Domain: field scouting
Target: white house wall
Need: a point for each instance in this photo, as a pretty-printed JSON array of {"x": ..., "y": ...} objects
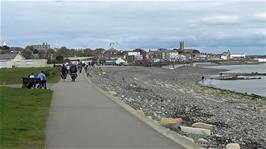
[
  {"x": 6, "y": 63},
  {"x": 31, "y": 63},
  {"x": 134, "y": 53}
]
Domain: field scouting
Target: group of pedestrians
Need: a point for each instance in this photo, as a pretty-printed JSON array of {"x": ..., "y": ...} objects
[
  {"x": 72, "y": 70},
  {"x": 33, "y": 80}
]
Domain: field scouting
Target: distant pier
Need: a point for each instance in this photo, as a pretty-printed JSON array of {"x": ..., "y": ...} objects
[{"x": 238, "y": 76}]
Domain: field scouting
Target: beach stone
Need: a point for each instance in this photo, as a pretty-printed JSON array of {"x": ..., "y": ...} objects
[
  {"x": 232, "y": 146},
  {"x": 171, "y": 122},
  {"x": 200, "y": 131},
  {"x": 149, "y": 117},
  {"x": 203, "y": 125},
  {"x": 202, "y": 140},
  {"x": 261, "y": 109},
  {"x": 140, "y": 112},
  {"x": 112, "y": 93}
]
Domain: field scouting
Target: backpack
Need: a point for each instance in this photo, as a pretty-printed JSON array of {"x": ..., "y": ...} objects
[{"x": 73, "y": 68}]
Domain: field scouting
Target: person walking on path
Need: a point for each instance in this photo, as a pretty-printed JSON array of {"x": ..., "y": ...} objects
[
  {"x": 79, "y": 66},
  {"x": 64, "y": 72},
  {"x": 73, "y": 72},
  {"x": 42, "y": 77}
]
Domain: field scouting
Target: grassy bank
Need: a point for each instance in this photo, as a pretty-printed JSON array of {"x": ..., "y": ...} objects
[
  {"x": 14, "y": 75},
  {"x": 23, "y": 114}
]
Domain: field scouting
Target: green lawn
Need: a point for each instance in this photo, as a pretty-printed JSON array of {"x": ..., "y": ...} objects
[
  {"x": 14, "y": 75},
  {"x": 23, "y": 114}
]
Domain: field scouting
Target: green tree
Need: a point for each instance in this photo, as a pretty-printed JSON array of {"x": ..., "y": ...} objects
[
  {"x": 30, "y": 48},
  {"x": 4, "y": 49},
  {"x": 88, "y": 52},
  {"x": 59, "y": 59},
  {"x": 63, "y": 51},
  {"x": 35, "y": 51},
  {"x": 72, "y": 52},
  {"x": 98, "y": 51},
  {"x": 79, "y": 53},
  {"x": 42, "y": 54},
  {"x": 50, "y": 54},
  {"x": 27, "y": 54}
]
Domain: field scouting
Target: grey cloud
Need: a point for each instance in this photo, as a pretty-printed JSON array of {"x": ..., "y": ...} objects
[{"x": 207, "y": 24}]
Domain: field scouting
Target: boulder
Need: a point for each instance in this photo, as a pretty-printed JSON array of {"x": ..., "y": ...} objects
[
  {"x": 203, "y": 125},
  {"x": 232, "y": 146},
  {"x": 171, "y": 122},
  {"x": 203, "y": 142},
  {"x": 192, "y": 130}
]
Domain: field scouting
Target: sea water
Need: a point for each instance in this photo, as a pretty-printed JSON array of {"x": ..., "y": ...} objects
[{"x": 256, "y": 86}]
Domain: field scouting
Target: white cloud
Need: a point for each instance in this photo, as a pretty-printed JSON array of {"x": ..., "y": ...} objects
[
  {"x": 220, "y": 20},
  {"x": 260, "y": 16}
]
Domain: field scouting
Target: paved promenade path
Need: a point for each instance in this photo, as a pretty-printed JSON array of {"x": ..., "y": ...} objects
[{"x": 82, "y": 117}]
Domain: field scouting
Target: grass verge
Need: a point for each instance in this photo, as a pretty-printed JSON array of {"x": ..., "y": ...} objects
[
  {"x": 23, "y": 114},
  {"x": 14, "y": 75}
]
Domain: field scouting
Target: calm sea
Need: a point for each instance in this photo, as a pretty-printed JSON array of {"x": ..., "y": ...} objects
[{"x": 257, "y": 86}]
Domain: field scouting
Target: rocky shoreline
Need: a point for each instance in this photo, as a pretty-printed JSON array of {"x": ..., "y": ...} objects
[{"x": 163, "y": 93}]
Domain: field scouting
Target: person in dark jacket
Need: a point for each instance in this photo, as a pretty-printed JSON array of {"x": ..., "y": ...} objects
[
  {"x": 73, "y": 72},
  {"x": 64, "y": 72}
]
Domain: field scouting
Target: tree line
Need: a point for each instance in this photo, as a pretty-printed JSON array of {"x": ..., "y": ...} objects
[{"x": 53, "y": 55}]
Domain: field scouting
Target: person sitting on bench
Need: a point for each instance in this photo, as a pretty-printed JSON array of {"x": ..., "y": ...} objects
[
  {"x": 31, "y": 76},
  {"x": 31, "y": 81},
  {"x": 41, "y": 76}
]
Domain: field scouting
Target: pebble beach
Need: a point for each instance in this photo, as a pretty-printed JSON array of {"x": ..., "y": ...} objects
[{"x": 176, "y": 93}]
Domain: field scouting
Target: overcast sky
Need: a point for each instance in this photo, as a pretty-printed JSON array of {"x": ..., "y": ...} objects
[{"x": 210, "y": 26}]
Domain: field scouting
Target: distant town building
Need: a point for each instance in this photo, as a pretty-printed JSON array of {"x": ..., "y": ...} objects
[
  {"x": 111, "y": 53},
  {"x": 261, "y": 60},
  {"x": 197, "y": 55},
  {"x": 173, "y": 55},
  {"x": 181, "y": 45},
  {"x": 237, "y": 56},
  {"x": 44, "y": 46},
  {"x": 226, "y": 55},
  {"x": 75, "y": 60},
  {"x": 133, "y": 53},
  {"x": 211, "y": 56}
]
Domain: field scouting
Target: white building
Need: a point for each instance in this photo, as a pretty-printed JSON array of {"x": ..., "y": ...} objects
[
  {"x": 81, "y": 59},
  {"x": 136, "y": 54},
  {"x": 224, "y": 57},
  {"x": 120, "y": 61},
  {"x": 261, "y": 60},
  {"x": 133, "y": 53},
  {"x": 237, "y": 55},
  {"x": 173, "y": 55},
  {"x": 17, "y": 60}
]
